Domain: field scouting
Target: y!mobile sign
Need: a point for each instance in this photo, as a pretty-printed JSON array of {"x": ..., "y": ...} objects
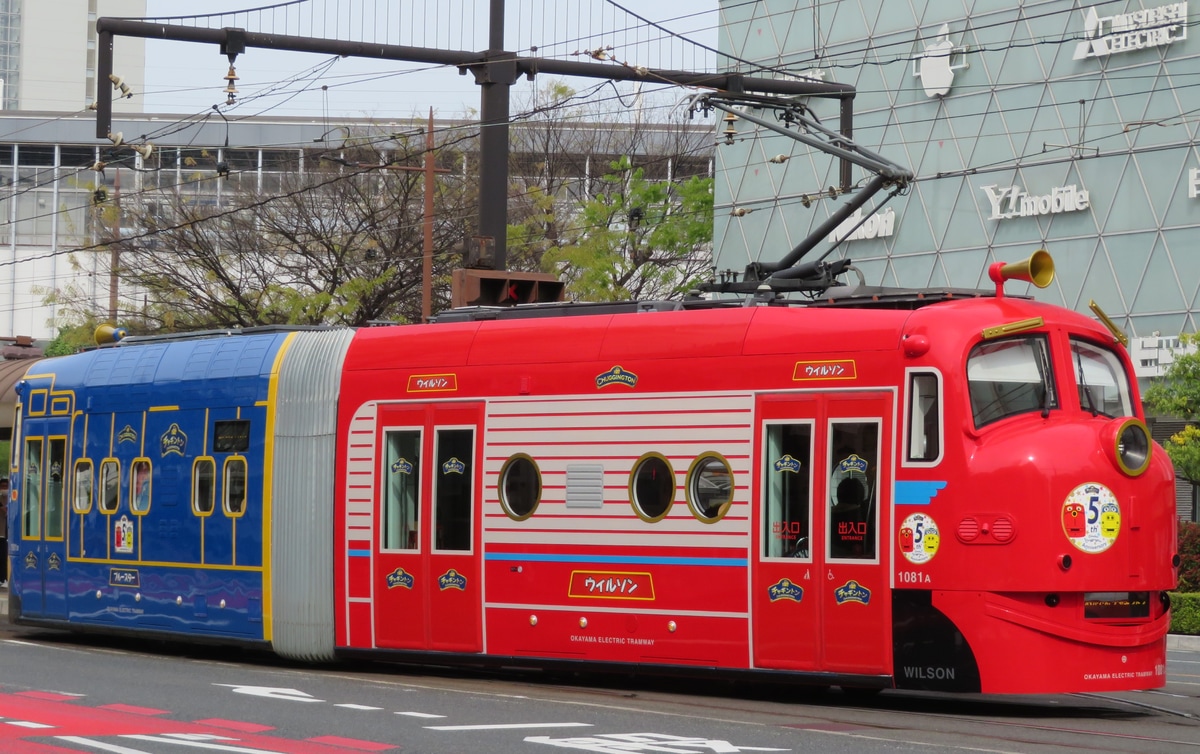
[
  {"x": 1012, "y": 201},
  {"x": 1135, "y": 30}
]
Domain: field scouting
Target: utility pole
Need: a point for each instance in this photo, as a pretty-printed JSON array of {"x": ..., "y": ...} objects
[
  {"x": 495, "y": 79},
  {"x": 430, "y": 169},
  {"x": 427, "y": 265},
  {"x": 114, "y": 250}
]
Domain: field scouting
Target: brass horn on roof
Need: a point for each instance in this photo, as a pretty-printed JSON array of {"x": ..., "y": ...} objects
[
  {"x": 1038, "y": 269},
  {"x": 108, "y": 334}
]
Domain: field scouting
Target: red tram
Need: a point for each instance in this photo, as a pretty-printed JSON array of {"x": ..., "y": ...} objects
[{"x": 939, "y": 490}]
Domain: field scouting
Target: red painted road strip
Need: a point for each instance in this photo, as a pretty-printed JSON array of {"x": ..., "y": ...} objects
[
  {"x": 17, "y": 746},
  {"x": 148, "y": 711},
  {"x": 126, "y": 725},
  {"x": 350, "y": 743},
  {"x": 238, "y": 725}
]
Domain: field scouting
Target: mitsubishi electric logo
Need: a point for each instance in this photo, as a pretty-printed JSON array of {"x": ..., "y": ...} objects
[
  {"x": 1011, "y": 201},
  {"x": 1136, "y": 30},
  {"x": 937, "y": 65}
]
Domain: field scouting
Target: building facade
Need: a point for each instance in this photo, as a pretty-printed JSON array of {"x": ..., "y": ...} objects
[
  {"x": 48, "y": 54},
  {"x": 1053, "y": 124},
  {"x": 56, "y": 207}
]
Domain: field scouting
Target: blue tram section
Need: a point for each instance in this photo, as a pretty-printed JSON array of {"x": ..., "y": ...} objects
[{"x": 141, "y": 475}]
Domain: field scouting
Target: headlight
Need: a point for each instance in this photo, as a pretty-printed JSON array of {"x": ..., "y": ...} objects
[{"x": 1127, "y": 442}]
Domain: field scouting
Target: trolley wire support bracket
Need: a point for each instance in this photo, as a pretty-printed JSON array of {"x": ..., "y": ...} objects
[
  {"x": 495, "y": 70},
  {"x": 794, "y": 120}
]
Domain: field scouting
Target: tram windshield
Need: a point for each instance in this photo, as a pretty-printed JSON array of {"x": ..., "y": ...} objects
[
  {"x": 1101, "y": 380},
  {"x": 1009, "y": 377}
]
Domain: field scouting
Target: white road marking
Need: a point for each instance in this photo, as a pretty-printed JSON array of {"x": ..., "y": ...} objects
[
  {"x": 202, "y": 745},
  {"x": 627, "y": 743},
  {"x": 291, "y": 695},
  {"x": 508, "y": 726},
  {"x": 101, "y": 746},
  {"x": 356, "y": 706},
  {"x": 418, "y": 714}
]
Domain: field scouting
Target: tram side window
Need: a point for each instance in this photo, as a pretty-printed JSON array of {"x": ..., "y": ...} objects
[
  {"x": 401, "y": 489},
  {"x": 787, "y": 490},
  {"x": 453, "y": 485},
  {"x": 853, "y": 489},
  {"x": 82, "y": 490},
  {"x": 924, "y": 417},
  {"x": 139, "y": 486},
  {"x": 110, "y": 485},
  {"x": 55, "y": 471},
  {"x": 235, "y": 486},
  {"x": 31, "y": 489},
  {"x": 204, "y": 488},
  {"x": 1009, "y": 377}
]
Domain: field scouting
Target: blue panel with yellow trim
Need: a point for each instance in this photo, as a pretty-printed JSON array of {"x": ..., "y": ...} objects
[{"x": 160, "y": 499}]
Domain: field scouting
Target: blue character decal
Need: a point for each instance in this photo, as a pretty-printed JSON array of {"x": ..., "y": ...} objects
[
  {"x": 852, "y": 591},
  {"x": 785, "y": 589}
]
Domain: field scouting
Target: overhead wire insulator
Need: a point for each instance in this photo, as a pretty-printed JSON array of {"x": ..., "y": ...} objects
[
  {"x": 730, "y": 128},
  {"x": 119, "y": 84},
  {"x": 231, "y": 90}
]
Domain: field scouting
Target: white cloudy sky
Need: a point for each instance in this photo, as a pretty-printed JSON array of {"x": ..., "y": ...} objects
[{"x": 184, "y": 77}]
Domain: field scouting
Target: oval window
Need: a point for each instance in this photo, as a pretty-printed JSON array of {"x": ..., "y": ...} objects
[
  {"x": 710, "y": 487},
  {"x": 520, "y": 487},
  {"x": 652, "y": 487}
]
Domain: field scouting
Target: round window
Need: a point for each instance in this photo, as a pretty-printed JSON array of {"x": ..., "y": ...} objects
[
  {"x": 710, "y": 487},
  {"x": 652, "y": 487},
  {"x": 520, "y": 487}
]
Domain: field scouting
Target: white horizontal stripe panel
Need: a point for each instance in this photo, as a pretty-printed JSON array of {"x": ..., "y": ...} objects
[{"x": 623, "y": 539}]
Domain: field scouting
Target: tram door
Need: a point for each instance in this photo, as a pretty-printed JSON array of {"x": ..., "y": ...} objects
[
  {"x": 41, "y": 569},
  {"x": 821, "y": 595},
  {"x": 428, "y": 580}
]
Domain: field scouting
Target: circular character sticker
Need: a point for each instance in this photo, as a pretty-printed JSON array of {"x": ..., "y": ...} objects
[
  {"x": 1091, "y": 517},
  {"x": 919, "y": 538}
]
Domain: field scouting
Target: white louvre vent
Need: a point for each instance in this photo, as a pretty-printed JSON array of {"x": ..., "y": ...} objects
[{"x": 585, "y": 485}]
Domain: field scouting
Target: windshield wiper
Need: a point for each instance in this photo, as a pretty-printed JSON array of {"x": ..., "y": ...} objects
[
  {"x": 1047, "y": 383},
  {"x": 1083, "y": 386}
]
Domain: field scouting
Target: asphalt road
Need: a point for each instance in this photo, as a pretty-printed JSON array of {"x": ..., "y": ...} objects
[{"x": 70, "y": 693}]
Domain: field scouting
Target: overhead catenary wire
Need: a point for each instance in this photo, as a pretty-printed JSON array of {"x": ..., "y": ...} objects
[
  {"x": 560, "y": 104},
  {"x": 976, "y": 169}
]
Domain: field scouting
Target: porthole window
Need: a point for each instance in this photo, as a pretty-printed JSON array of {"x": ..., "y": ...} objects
[
  {"x": 520, "y": 487},
  {"x": 710, "y": 487},
  {"x": 652, "y": 487}
]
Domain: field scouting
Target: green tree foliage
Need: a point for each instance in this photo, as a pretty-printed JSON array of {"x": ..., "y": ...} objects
[
  {"x": 1189, "y": 556},
  {"x": 637, "y": 239},
  {"x": 71, "y": 338},
  {"x": 574, "y": 191},
  {"x": 1177, "y": 394}
]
